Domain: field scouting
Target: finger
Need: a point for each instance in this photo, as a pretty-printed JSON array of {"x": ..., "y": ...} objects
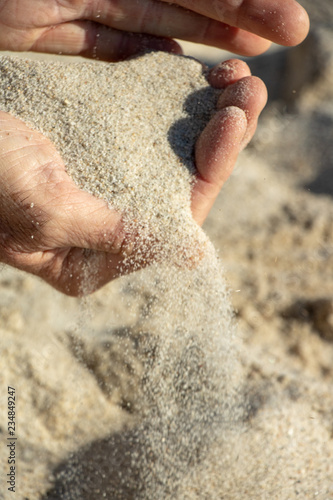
[
  {"x": 78, "y": 272},
  {"x": 228, "y": 72},
  {"x": 224, "y": 137},
  {"x": 97, "y": 41},
  {"x": 160, "y": 19},
  {"x": 216, "y": 153},
  {"x": 80, "y": 219},
  {"x": 250, "y": 95},
  {"x": 90, "y": 39},
  {"x": 284, "y": 22},
  {"x": 73, "y": 271},
  {"x": 211, "y": 24}
]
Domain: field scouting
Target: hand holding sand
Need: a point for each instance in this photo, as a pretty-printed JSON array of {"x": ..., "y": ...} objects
[
  {"x": 53, "y": 229},
  {"x": 115, "y": 30}
]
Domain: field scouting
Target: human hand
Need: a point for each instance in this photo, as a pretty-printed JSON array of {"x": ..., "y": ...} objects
[
  {"x": 51, "y": 228},
  {"x": 113, "y": 30}
]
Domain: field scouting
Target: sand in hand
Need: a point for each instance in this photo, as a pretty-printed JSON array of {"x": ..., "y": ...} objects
[{"x": 126, "y": 133}]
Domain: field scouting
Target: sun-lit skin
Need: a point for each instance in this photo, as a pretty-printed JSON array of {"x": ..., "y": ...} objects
[{"x": 115, "y": 29}]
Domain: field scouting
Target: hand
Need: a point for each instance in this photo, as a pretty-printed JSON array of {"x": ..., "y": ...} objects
[
  {"x": 51, "y": 228},
  {"x": 113, "y": 30}
]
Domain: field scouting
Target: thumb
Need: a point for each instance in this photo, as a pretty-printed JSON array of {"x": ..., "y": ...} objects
[
  {"x": 92, "y": 244},
  {"x": 85, "y": 221}
]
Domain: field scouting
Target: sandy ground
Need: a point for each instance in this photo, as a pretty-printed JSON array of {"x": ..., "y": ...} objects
[{"x": 273, "y": 227}]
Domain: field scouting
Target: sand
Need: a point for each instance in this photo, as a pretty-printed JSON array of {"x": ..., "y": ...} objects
[{"x": 73, "y": 367}]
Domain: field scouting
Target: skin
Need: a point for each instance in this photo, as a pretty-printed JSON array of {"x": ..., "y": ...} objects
[
  {"x": 115, "y": 29},
  {"x": 52, "y": 229}
]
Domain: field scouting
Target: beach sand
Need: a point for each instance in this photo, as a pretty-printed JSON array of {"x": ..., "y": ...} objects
[{"x": 78, "y": 366}]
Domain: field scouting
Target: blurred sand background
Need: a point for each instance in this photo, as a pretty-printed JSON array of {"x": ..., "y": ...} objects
[{"x": 273, "y": 227}]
